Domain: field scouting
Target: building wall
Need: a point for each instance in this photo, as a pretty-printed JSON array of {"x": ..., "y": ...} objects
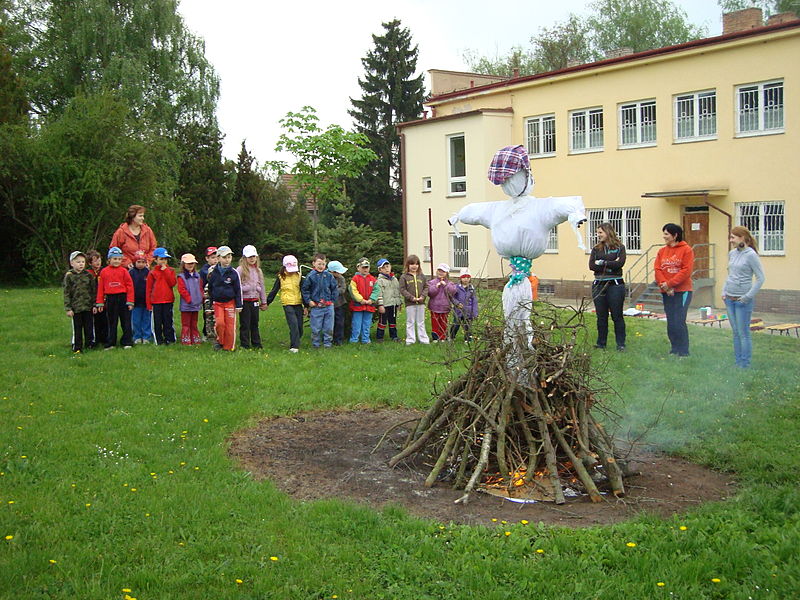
[{"x": 758, "y": 168}]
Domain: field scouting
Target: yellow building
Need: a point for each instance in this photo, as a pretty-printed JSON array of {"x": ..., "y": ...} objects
[{"x": 705, "y": 134}]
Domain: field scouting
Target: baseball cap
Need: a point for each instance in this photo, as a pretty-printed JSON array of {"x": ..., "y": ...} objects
[
  {"x": 290, "y": 264},
  {"x": 188, "y": 258},
  {"x": 249, "y": 251},
  {"x": 161, "y": 253},
  {"x": 211, "y": 250},
  {"x": 113, "y": 252},
  {"x": 337, "y": 267},
  {"x": 75, "y": 255},
  {"x": 381, "y": 262},
  {"x": 224, "y": 251},
  {"x": 443, "y": 267},
  {"x": 464, "y": 273},
  {"x": 363, "y": 262}
]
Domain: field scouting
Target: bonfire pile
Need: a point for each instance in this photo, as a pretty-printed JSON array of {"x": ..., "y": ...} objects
[{"x": 519, "y": 421}]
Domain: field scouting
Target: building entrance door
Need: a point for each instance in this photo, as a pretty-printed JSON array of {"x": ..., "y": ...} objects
[{"x": 695, "y": 232}]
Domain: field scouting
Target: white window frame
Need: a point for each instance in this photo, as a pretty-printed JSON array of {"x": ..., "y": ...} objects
[
  {"x": 767, "y": 111},
  {"x": 459, "y": 251},
  {"x": 540, "y": 135},
  {"x": 456, "y": 181},
  {"x": 767, "y": 222},
  {"x": 552, "y": 241},
  {"x": 626, "y": 221},
  {"x": 591, "y": 139},
  {"x": 641, "y": 110},
  {"x": 696, "y": 111},
  {"x": 427, "y": 185}
]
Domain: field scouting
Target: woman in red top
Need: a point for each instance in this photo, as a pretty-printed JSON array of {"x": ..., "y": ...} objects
[
  {"x": 133, "y": 235},
  {"x": 673, "y": 269}
]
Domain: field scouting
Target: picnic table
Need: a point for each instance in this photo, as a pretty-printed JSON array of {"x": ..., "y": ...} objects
[
  {"x": 785, "y": 328},
  {"x": 709, "y": 321}
]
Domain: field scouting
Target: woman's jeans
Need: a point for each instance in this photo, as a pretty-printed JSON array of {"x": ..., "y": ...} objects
[
  {"x": 739, "y": 314},
  {"x": 676, "y": 307},
  {"x": 609, "y": 296}
]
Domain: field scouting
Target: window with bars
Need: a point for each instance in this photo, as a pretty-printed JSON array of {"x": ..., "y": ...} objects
[
  {"x": 637, "y": 124},
  {"x": 457, "y": 161},
  {"x": 696, "y": 116},
  {"x": 765, "y": 220},
  {"x": 459, "y": 251},
  {"x": 759, "y": 108},
  {"x": 541, "y": 135},
  {"x": 552, "y": 241},
  {"x": 586, "y": 130},
  {"x": 627, "y": 222}
]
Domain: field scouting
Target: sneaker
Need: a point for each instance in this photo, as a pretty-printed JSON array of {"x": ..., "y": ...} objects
[
  {"x": 127, "y": 347},
  {"x": 599, "y": 347},
  {"x": 108, "y": 348},
  {"x": 217, "y": 347},
  {"x": 146, "y": 341},
  {"x": 620, "y": 348},
  {"x": 294, "y": 350}
]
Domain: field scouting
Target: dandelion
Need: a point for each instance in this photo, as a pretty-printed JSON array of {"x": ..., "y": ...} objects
[
  {"x": 52, "y": 562},
  {"x": 441, "y": 526},
  {"x": 524, "y": 522},
  {"x": 494, "y": 520},
  {"x": 197, "y": 468},
  {"x": 631, "y": 544},
  {"x": 9, "y": 537},
  {"x": 273, "y": 558},
  {"x": 11, "y": 502},
  {"x": 715, "y": 580},
  {"x": 183, "y": 464},
  {"x": 88, "y": 504},
  {"x": 170, "y": 472},
  {"x": 539, "y": 551},
  {"x": 152, "y": 473},
  {"x": 24, "y": 456},
  {"x": 205, "y": 420},
  {"x": 181, "y": 544},
  {"x": 126, "y": 590},
  {"x": 19, "y": 426},
  {"x": 661, "y": 584},
  {"x": 683, "y": 528},
  {"x": 73, "y": 485},
  {"x": 239, "y": 581},
  {"x": 146, "y": 514},
  {"x": 508, "y": 533},
  {"x": 133, "y": 489},
  {"x": 503, "y": 522}
]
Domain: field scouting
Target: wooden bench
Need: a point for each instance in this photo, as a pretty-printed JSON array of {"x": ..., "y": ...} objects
[
  {"x": 705, "y": 322},
  {"x": 785, "y": 328}
]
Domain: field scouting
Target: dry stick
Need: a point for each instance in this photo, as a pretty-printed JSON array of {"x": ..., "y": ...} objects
[
  {"x": 390, "y": 430},
  {"x": 448, "y": 447},
  {"x": 549, "y": 451},
  {"x": 462, "y": 467},
  {"x": 482, "y": 460},
  {"x": 408, "y": 450},
  {"x": 610, "y": 464},
  {"x": 502, "y": 423},
  {"x": 533, "y": 456}
]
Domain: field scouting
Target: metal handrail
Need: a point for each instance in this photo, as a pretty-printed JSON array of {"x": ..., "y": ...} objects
[{"x": 639, "y": 275}]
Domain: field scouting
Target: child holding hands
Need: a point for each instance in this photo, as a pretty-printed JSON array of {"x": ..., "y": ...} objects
[
  {"x": 190, "y": 289},
  {"x": 161, "y": 298},
  {"x": 440, "y": 292}
]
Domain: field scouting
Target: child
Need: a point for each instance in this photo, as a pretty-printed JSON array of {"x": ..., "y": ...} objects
[
  {"x": 79, "y": 301},
  {"x": 389, "y": 301},
  {"x": 288, "y": 283},
  {"x": 320, "y": 292},
  {"x": 254, "y": 299},
  {"x": 191, "y": 292},
  {"x": 414, "y": 290},
  {"x": 140, "y": 316},
  {"x": 466, "y": 306},
  {"x": 208, "y": 306},
  {"x": 100, "y": 320},
  {"x": 440, "y": 291},
  {"x": 338, "y": 270},
  {"x": 225, "y": 291},
  {"x": 364, "y": 294},
  {"x": 161, "y": 297},
  {"x": 115, "y": 297}
]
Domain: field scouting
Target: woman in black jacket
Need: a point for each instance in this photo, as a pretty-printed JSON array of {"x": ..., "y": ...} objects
[{"x": 608, "y": 288}]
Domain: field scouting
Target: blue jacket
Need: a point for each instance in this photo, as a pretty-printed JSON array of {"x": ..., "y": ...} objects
[
  {"x": 224, "y": 285},
  {"x": 139, "y": 277},
  {"x": 319, "y": 286}
]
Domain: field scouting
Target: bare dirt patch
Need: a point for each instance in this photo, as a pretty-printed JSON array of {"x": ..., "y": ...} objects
[{"x": 319, "y": 455}]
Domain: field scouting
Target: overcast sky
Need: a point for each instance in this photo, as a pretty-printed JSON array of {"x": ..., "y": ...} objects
[{"x": 275, "y": 57}]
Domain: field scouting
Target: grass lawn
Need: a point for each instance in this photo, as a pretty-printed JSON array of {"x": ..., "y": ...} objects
[{"x": 114, "y": 477}]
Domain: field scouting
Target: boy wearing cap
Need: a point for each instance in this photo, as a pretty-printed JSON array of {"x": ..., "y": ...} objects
[
  {"x": 190, "y": 291},
  {"x": 225, "y": 291},
  {"x": 140, "y": 316},
  {"x": 389, "y": 301},
  {"x": 212, "y": 259},
  {"x": 161, "y": 297},
  {"x": 115, "y": 298},
  {"x": 465, "y": 307},
  {"x": 338, "y": 270},
  {"x": 440, "y": 292},
  {"x": 254, "y": 297},
  {"x": 319, "y": 293},
  {"x": 364, "y": 294},
  {"x": 79, "y": 301}
]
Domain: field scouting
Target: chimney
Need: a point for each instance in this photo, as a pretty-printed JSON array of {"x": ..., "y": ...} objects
[
  {"x": 516, "y": 73},
  {"x": 617, "y": 52},
  {"x": 783, "y": 17},
  {"x": 742, "y": 20}
]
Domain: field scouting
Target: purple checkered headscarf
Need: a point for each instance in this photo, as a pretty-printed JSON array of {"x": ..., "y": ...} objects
[{"x": 508, "y": 161}]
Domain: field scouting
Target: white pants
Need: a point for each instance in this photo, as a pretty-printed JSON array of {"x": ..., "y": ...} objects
[{"x": 415, "y": 317}]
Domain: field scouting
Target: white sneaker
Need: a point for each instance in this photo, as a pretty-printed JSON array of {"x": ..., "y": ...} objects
[
  {"x": 127, "y": 347},
  {"x": 293, "y": 350},
  {"x": 145, "y": 341}
]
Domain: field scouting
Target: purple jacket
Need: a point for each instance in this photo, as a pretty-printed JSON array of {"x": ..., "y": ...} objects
[
  {"x": 190, "y": 289},
  {"x": 467, "y": 297},
  {"x": 254, "y": 286},
  {"x": 440, "y": 295}
]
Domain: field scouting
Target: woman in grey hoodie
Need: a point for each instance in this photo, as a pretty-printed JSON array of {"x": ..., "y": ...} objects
[{"x": 739, "y": 291}]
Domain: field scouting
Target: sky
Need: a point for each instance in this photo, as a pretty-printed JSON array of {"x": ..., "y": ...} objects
[{"x": 276, "y": 57}]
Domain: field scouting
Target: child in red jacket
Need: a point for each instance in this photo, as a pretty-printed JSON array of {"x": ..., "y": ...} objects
[
  {"x": 161, "y": 298},
  {"x": 115, "y": 297}
]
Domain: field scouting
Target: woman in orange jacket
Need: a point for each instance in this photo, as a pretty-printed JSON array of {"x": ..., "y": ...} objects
[
  {"x": 134, "y": 234},
  {"x": 673, "y": 269}
]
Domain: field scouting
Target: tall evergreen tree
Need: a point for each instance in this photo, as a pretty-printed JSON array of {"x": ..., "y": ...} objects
[
  {"x": 391, "y": 94},
  {"x": 248, "y": 198}
]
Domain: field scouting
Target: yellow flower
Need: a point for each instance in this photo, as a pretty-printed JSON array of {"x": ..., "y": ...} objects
[
  {"x": 715, "y": 580},
  {"x": 183, "y": 464},
  {"x": 170, "y": 472},
  {"x": 494, "y": 520},
  {"x": 181, "y": 544},
  {"x": 126, "y": 590},
  {"x": 661, "y": 584},
  {"x": 9, "y": 537},
  {"x": 683, "y": 528},
  {"x": 441, "y": 526},
  {"x": 152, "y": 473},
  {"x": 205, "y": 420},
  {"x": 11, "y": 502},
  {"x": 508, "y": 533},
  {"x": 503, "y": 522},
  {"x": 539, "y": 551},
  {"x": 146, "y": 514},
  {"x": 239, "y": 581},
  {"x": 19, "y": 427},
  {"x": 631, "y": 545},
  {"x": 52, "y": 562},
  {"x": 273, "y": 558},
  {"x": 334, "y": 596},
  {"x": 133, "y": 489},
  {"x": 197, "y": 468},
  {"x": 23, "y": 456},
  {"x": 88, "y": 504},
  {"x": 524, "y": 521}
]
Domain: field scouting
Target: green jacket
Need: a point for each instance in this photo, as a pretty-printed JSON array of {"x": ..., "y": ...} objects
[
  {"x": 389, "y": 294},
  {"x": 79, "y": 291}
]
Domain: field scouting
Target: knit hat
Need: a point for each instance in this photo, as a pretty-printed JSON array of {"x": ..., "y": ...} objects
[{"x": 290, "y": 264}]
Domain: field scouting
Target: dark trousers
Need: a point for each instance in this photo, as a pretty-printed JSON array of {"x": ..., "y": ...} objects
[
  {"x": 339, "y": 313},
  {"x": 82, "y": 330},
  {"x": 457, "y": 323},
  {"x": 117, "y": 311},
  {"x": 676, "y": 307},
  {"x": 609, "y": 297},
  {"x": 100, "y": 329},
  {"x": 209, "y": 326},
  {"x": 249, "y": 336},
  {"x": 163, "y": 326},
  {"x": 294, "y": 319},
  {"x": 389, "y": 317}
]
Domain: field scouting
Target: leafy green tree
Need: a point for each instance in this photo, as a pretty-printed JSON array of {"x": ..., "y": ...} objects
[
  {"x": 324, "y": 158},
  {"x": 770, "y": 7},
  {"x": 391, "y": 93},
  {"x": 13, "y": 103},
  {"x": 139, "y": 48}
]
